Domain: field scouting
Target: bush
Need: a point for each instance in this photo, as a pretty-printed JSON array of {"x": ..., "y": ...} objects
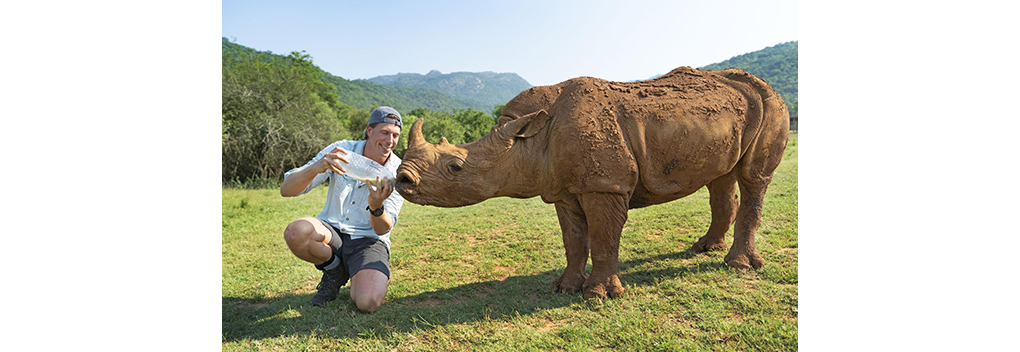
[{"x": 277, "y": 114}]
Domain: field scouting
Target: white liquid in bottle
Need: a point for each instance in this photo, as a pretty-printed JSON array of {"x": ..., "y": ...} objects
[{"x": 365, "y": 169}]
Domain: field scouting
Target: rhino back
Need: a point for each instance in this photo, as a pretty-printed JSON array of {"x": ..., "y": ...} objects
[{"x": 686, "y": 129}]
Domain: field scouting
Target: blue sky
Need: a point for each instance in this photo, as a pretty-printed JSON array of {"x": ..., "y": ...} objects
[{"x": 543, "y": 41}]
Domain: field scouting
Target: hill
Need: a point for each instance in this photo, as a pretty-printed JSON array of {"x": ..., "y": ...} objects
[
  {"x": 485, "y": 89},
  {"x": 777, "y": 65},
  {"x": 482, "y": 91},
  {"x": 364, "y": 94}
]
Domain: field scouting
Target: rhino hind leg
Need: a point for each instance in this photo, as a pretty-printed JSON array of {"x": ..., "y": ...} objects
[
  {"x": 575, "y": 242},
  {"x": 723, "y": 201},
  {"x": 605, "y": 213},
  {"x": 744, "y": 253}
]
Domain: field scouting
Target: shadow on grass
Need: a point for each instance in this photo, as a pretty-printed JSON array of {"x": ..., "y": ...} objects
[
  {"x": 293, "y": 314},
  {"x": 649, "y": 276}
]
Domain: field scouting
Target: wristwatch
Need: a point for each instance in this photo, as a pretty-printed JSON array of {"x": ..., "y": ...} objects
[{"x": 377, "y": 212}]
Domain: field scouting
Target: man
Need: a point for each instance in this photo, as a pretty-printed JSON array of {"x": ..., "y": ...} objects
[{"x": 350, "y": 239}]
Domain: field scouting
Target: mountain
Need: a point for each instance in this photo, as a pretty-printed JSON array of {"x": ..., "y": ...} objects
[
  {"x": 777, "y": 65},
  {"x": 363, "y": 94},
  {"x": 484, "y": 89}
]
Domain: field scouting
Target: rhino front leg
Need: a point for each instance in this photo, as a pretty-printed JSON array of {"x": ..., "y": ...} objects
[
  {"x": 606, "y": 214},
  {"x": 575, "y": 241},
  {"x": 723, "y": 201}
]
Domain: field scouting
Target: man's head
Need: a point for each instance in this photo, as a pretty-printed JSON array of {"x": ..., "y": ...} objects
[
  {"x": 385, "y": 114},
  {"x": 383, "y": 130}
]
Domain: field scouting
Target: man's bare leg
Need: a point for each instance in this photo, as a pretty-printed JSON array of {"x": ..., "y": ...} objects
[
  {"x": 368, "y": 289},
  {"x": 308, "y": 239}
]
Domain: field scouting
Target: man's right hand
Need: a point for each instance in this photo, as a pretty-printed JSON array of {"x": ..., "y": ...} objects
[{"x": 332, "y": 160}]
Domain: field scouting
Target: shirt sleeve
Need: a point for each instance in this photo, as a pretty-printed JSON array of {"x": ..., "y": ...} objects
[{"x": 321, "y": 177}]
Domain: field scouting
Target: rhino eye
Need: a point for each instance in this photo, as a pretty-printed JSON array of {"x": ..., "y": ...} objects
[{"x": 455, "y": 167}]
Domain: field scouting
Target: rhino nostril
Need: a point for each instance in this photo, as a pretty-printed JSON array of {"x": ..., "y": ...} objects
[{"x": 405, "y": 180}]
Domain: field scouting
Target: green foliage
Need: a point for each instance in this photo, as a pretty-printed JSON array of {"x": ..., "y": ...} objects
[
  {"x": 460, "y": 126},
  {"x": 498, "y": 110},
  {"x": 481, "y": 89},
  {"x": 277, "y": 113},
  {"x": 365, "y": 94},
  {"x": 777, "y": 65}
]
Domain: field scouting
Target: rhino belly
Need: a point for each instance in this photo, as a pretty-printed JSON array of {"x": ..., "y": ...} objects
[{"x": 677, "y": 157}]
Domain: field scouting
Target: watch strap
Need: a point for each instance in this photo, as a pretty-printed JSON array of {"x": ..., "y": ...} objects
[{"x": 377, "y": 212}]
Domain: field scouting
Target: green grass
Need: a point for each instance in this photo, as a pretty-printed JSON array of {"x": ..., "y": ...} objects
[{"x": 478, "y": 277}]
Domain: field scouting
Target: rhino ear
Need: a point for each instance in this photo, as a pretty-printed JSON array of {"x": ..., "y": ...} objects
[
  {"x": 525, "y": 126},
  {"x": 503, "y": 120}
]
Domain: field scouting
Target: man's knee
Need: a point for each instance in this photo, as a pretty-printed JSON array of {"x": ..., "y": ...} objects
[
  {"x": 368, "y": 304},
  {"x": 298, "y": 231},
  {"x": 368, "y": 289}
]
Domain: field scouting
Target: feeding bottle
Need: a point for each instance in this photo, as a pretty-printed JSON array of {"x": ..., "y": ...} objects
[{"x": 365, "y": 169}]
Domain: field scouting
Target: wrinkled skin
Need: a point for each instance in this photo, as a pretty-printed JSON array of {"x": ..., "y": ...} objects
[{"x": 595, "y": 149}]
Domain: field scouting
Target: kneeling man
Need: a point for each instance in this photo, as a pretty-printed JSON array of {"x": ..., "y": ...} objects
[{"x": 350, "y": 239}]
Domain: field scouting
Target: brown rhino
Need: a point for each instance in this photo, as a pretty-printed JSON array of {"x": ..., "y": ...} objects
[{"x": 596, "y": 148}]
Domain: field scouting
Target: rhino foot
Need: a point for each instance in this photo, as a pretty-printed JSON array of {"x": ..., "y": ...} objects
[
  {"x": 704, "y": 245},
  {"x": 569, "y": 282},
  {"x": 609, "y": 288},
  {"x": 744, "y": 261}
]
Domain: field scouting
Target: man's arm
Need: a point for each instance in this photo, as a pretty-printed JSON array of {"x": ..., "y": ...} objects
[
  {"x": 297, "y": 181},
  {"x": 383, "y": 223}
]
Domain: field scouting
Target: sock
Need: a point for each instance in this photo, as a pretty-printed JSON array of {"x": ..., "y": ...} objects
[{"x": 330, "y": 264}]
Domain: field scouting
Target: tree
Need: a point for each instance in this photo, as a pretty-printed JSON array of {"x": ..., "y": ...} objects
[
  {"x": 277, "y": 113},
  {"x": 498, "y": 111},
  {"x": 474, "y": 123}
]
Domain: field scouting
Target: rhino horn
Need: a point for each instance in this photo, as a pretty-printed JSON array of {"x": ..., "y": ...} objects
[{"x": 415, "y": 139}]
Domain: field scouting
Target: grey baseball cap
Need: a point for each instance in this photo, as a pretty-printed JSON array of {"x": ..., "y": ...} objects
[{"x": 380, "y": 113}]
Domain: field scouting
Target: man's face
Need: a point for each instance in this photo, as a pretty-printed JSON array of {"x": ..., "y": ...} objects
[{"x": 383, "y": 137}]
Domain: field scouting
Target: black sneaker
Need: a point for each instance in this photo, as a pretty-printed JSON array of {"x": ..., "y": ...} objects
[{"x": 330, "y": 285}]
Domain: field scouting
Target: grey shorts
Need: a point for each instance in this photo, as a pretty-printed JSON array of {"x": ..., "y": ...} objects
[{"x": 361, "y": 253}]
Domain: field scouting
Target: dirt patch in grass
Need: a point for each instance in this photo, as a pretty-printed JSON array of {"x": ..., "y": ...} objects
[
  {"x": 436, "y": 302},
  {"x": 305, "y": 290},
  {"x": 655, "y": 235},
  {"x": 548, "y": 325},
  {"x": 251, "y": 305},
  {"x": 502, "y": 272},
  {"x": 429, "y": 303}
]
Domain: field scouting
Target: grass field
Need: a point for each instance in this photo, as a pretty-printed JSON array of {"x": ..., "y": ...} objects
[{"x": 478, "y": 278}]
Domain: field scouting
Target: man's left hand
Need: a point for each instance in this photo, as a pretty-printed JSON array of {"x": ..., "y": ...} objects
[{"x": 376, "y": 195}]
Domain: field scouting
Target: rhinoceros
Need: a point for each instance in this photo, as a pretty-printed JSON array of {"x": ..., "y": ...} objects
[{"x": 596, "y": 148}]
